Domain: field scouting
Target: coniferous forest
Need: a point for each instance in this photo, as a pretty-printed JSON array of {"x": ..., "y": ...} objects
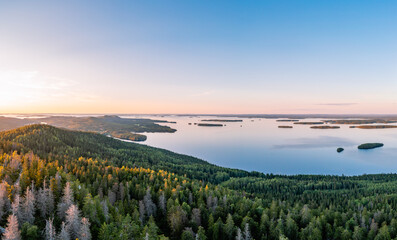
[{"x": 61, "y": 184}]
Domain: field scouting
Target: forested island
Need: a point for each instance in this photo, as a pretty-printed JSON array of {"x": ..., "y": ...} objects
[
  {"x": 222, "y": 120},
  {"x": 359, "y": 121},
  {"x": 287, "y": 120},
  {"x": 209, "y": 125},
  {"x": 325, "y": 127},
  {"x": 305, "y": 116},
  {"x": 370, "y": 145},
  {"x": 285, "y": 127},
  {"x": 309, "y": 123},
  {"x": 124, "y": 128},
  {"x": 68, "y": 184},
  {"x": 374, "y": 126}
]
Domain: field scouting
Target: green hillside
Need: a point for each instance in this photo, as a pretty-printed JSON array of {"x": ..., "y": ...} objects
[{"x": 89, "y": 186}]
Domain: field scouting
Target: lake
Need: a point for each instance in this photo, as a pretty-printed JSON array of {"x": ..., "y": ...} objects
[{"x": 258, "y": 144}]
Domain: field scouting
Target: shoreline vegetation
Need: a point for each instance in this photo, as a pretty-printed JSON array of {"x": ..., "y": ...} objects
[
  {"x": 285, "y": 126},
  {"x": 370, "y": 145}
]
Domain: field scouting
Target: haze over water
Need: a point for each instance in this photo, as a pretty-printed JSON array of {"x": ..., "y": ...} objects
[{"x": 259, "y": 145}]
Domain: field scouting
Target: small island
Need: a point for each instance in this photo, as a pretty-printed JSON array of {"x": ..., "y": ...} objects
[
  {"x": 209, "y": 125},
  {"x": 325, "y": 127},
  {"x": 370, "y": 145},
  {"x": 221, "y": 120},
  {"x": 374, "y": 126},
  {"x": 287, "y": 120},
  {"x": 339, "y": 150},
  {"x": 359, "y": 121},
  {"x": 285, "y": 127},
  {"x": 309, "y": 123}
]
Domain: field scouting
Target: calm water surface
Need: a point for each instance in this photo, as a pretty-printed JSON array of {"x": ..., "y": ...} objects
[{"x": 258, "y": 144}]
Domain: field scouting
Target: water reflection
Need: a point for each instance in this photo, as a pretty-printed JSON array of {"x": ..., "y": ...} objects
[
  {"x": 317, "y": 142},
  {"x": 261, "y": 146}
]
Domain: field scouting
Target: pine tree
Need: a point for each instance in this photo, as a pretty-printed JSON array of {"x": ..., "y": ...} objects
[
  {"x": 196, "y": 216},
  {"x": 176, "y": 218},
  {"x": 121, "y": 192},
  {"x": 187, "y": 234},
  {"x": 105, "y": 210},
  {"x": 142, "y": 214},
  {"x": 150, "y": 207},
  {"x": 73, "y": 221},
  {"x": 383, "y": 234},
  {"x": 16, "y": 209},
  {"x": 162, "y": 202},
  {"x": 29, "y": 206},
  {"x": 50, "y": 230},
  {"x": 12, "y": 231},
  {"x": 229, "y": 227},
  {"x": 45, "y": 201},
  {"x": 4, "y": 201},
  {"x": 84, "y": 233},
  {"x": 239, "y": 235},
  {"x": 66, "y": 202},
  {"x": 112, "y": 197},
  {"x": 201, "y": 234},
  {"x": 291, "y": 229},
  {"x": 152, "y": 228},
  {"x": 247, "y": 233},
  {"x": 64, "y": 234}
]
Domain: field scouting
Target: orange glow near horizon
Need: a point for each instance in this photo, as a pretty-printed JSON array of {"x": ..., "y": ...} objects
[{"x": 137, "y": 58}]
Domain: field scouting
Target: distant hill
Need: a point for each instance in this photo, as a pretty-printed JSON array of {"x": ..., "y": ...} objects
[{"x": 114, "y": 126}]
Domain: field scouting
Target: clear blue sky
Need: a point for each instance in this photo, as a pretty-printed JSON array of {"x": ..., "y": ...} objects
[{"x": 198, "y": 56}]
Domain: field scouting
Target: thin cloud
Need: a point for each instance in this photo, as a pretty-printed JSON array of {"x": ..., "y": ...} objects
[
  {"x": 35, "y": 81},
  {"x": 33, "y": 86},
  {"x": 337, "y": 104}
]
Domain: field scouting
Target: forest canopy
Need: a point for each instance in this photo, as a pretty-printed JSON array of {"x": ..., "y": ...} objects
[{"x": 65, "y": 184}]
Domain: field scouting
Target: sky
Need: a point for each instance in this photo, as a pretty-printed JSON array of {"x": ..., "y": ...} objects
[{"x": 185, "y": 56}]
